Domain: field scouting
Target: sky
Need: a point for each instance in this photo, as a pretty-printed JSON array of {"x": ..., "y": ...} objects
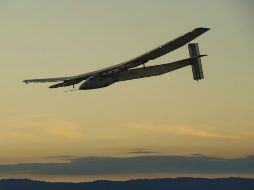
[{"x": 167, "y": 115}]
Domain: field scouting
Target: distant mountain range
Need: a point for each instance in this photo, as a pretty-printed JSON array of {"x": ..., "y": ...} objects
[{"x": 138, "y": 184}]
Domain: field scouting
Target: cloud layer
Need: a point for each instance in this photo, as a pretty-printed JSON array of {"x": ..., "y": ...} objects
[{"x": 140, "y": 164}]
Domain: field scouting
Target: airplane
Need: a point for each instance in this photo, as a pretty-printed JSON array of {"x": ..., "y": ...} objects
[{"x": 128, "y": 71}]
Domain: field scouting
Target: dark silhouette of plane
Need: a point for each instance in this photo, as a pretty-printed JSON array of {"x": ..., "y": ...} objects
[{"x": 127, "y": 71}]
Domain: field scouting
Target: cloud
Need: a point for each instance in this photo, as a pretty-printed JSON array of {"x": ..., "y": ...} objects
[
  {"x": 247, "y": 133},
  {"x": 32, "y": 127},
  {"x": 135, "y": 165},
  {"x": 66, "y": 130},
  {"x": 141, "y": 151},
  {"x": 61, "y": 157},
  {"x": 33, "y": 120},
  {"x": 179, "y": 129},
  {"x": 14, "y": 136}
]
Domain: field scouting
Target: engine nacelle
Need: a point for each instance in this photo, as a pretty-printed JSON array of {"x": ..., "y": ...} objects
[{"x": 94, "y": 82}]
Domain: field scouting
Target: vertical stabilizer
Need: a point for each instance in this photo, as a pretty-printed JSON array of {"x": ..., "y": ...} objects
[{"x": 196, "y": 66}]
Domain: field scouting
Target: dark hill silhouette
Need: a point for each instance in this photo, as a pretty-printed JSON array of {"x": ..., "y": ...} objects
[{"x": 139, "y": 184}]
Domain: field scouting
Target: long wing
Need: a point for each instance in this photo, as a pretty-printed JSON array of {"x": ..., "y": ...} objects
[
  {"x": 166, "y": 48},
  {"x": 47, "y": 80},
  {"x": 150, "y": 55}
]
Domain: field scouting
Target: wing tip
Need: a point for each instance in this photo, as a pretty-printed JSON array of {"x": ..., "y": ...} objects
[
  {"x": 25, "y": 81},
  {"x": 202, "y": 29}
]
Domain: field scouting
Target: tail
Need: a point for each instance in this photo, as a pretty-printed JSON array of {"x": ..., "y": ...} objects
[{"x": 196, "y": 66}]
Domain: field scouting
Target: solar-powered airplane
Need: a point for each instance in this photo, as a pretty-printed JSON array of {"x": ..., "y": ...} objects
[{"x": 127, "y": 71}]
